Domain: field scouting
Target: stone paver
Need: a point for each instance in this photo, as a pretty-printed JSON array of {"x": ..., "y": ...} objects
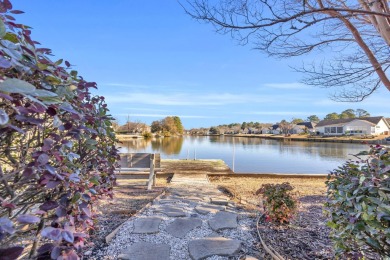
[
  {"x": 206, "y": 209},
  {"x": 219, "y": 201},
  {"x": 148, "y": 225},
  {"x": 223, "y": 220},
  {"x": 171, "y": 211},
  {"x": 188, "y": 220},
  {"x": 168, "y": 201},
  {"x": 146, "y": 251},
  {"x": 181, "y": 226},
  {"x": 209, "y": 246}
]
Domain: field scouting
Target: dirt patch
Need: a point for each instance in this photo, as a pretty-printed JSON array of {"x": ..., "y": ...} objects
[
  {"x": 199, "y": 166},
  {"x": 307, "y": 236}
]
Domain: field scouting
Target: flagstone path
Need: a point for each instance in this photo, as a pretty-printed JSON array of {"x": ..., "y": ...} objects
[{"x": 193, "y": 220}]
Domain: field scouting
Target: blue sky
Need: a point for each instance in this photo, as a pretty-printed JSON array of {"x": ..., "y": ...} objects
[{"x": 151, "y": 60}]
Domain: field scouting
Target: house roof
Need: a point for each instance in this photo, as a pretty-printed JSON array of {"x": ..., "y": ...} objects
[
  {"x": 274, "y": 127},
  {"x": 373, "y": 119},
  {"x": 309, "y": 125}
]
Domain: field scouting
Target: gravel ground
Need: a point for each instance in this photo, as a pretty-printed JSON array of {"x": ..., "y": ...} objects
[
  {"x": 179, "y": 246},
  {"x": 307, "y": 236}
]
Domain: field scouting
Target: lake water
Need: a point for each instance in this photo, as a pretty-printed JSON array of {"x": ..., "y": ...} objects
[{"x": 252, "y": 155}]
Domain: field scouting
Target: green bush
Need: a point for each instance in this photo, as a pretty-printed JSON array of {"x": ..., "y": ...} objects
[
  {"x": 147, "y": 135},
  {"x": 358, "y": 204},
  {"x": 279, "y": 202}
]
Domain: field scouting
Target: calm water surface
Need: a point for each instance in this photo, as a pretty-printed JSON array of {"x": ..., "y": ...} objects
[{"x": 252, "y": 155}]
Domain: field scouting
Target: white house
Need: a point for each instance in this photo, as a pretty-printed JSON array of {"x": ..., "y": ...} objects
[
  {"x": 276, "y": 129},
  {"x": 266, "y": 130},
  {"x": 354, "y": 126},
  {"x": 298, "y": 129},
  {"x": 303, "y": 127}
]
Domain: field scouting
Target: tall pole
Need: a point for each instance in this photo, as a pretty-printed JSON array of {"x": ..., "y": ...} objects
[
  {"x": 234, "y": 154},
  {"x": 128, "y": 124}
]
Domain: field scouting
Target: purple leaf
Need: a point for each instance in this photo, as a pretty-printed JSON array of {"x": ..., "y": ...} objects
[
  {"x": 11, "y": 253},
  {"x": 6, "y": 204},
  {"x": 16, "y": 129},
  {"x": 55, "y": 253},
  {"x": 52, "y": 233},
  {"x": 28, "y": 219},
  {"x": 48, "y": 205},
  {"x": 7, "y": 4},
  {"x": 3, "y": 117},
  {"x": 6, "y": 225},
  {"x": 87, "y": 211},
  {"x": 60, "y": 212},
  {"x": 68, "y": 126},
  {"x": 69, "y": 256},
  {"x": 52, "y": 184},
  {"x": 50, "y": 169},
  {"x": 39, "y": 212},
  {"x": 43, "y": 159},
  {"x": 47, "y": 144},
  {"x": 86, "y": 197},
  {"x": 9, "y": 17},
  {"x": 83, "y": 205},
  {"x": 67, "y": 236},
  {"x": 4, "y": 63},
  {"x": 31, "y": 120},
  {"x": 91, "y": 85},
  {"x": 36, "y": 108},
  {"x": 3, "y": 9},
  {"x": 67, "y": 63},
  {"x": 74, "y": 177},
  {"x": 16, "y": 12},
  {"x": 28, "y": 172},
  {"x": 68, "y": 108},
  {"x": 45, "y": 248},
  {"x": 6, "y": 96},
  {"x": 51, "y": 111}
]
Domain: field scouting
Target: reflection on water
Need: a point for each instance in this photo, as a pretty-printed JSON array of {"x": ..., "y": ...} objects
[
  {"x": 251, "y": 154},
  {"x": 166, "y": 146}
]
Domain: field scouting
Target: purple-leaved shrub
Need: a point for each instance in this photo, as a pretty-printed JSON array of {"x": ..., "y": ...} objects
[
  {"x": 358, "y": 205},
  {"x": 57, "y": 149}
]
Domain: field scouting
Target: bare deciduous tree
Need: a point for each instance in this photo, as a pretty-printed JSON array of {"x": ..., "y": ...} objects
[{"x": 353, "y": 35}]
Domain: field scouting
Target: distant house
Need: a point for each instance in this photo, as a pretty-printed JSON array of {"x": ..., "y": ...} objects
[
  {"x": 304, "y": 127},
  {"x": 298, "y": 129},
  {"x": 354, "y": 126},
  {"x": 276, "y": 129},
  {"x": 266, "y": 130}
]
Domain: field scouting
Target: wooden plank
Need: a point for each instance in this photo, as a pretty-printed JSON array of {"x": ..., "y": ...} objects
[
  {"x": 141, "y": 162},
  {"x": 157, "y": 160},
  {"x": 136, "y": 169},
  {"x": 151, "y": 173}
]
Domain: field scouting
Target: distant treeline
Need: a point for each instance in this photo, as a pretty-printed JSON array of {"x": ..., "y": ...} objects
[{"x": 257, "y": 127}]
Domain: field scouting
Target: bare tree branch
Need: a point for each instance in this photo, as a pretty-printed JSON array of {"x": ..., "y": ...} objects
[{"x": 357, "y": 34}]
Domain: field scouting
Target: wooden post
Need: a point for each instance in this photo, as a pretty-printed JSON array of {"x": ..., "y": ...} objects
[
  {"x": 234, "y": 154},
  {"x": 151, "y": 174}
]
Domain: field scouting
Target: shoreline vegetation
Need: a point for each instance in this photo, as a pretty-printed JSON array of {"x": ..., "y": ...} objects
[{"x": 380, "y": 139}]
